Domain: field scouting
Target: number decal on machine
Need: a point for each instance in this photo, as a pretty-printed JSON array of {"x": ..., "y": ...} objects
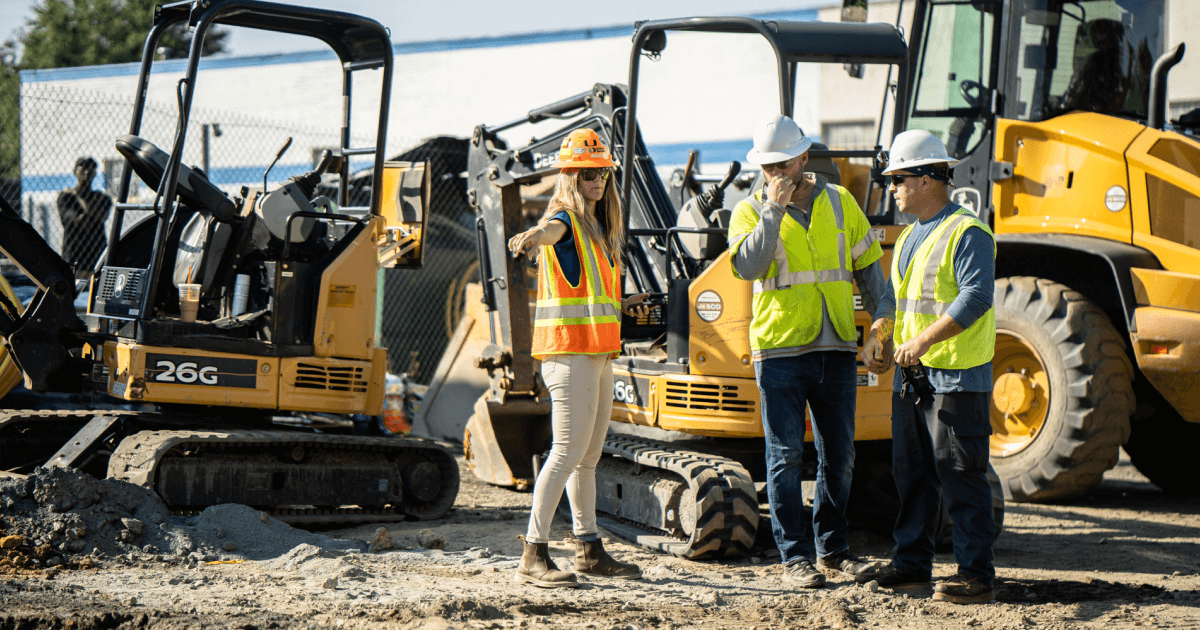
[
  {"x": 631, "y": 392},
  {"x": 205, "y": 371},
  {"x": 186, "y": 372}
]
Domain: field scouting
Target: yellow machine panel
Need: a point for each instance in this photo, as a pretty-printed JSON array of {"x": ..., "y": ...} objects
[
  {"x": 1164, "y": 168},
  {"x": 189, "y": 376},
  {"x": 1062, "y": 181},
  {"x": 347, "y": 303},
  {"x": 326, "y": 385},
  {"x": 719, "y": 323}
]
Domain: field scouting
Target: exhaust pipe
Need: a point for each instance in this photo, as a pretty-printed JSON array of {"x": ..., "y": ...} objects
[{"x": 1156, "y": 113}]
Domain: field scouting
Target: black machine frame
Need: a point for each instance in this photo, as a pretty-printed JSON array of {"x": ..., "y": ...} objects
[{"x": 360, "y": 43}]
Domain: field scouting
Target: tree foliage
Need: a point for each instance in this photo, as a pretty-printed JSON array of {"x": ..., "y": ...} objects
[{"x": 67, "y": 33}]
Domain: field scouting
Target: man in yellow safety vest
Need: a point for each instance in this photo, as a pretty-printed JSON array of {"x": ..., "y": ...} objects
[
  {"x": 803, "y": 241},
  {"x": 938, "y": 323}
]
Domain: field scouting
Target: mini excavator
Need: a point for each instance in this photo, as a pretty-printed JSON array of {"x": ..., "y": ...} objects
[
  {"x": 285, "y": 335},
  {"x": 685, "y": 450}
]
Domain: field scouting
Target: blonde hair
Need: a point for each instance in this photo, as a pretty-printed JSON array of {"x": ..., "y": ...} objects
[{"x": 567, "y": 197}]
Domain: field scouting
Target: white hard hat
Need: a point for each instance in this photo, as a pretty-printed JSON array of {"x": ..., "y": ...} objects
[
  {"x": 916, "y": 147},
  {"x": 777, "y": 138}
]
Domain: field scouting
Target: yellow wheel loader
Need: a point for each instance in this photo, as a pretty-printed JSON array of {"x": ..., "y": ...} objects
[
  {"x": 235, "y": 325},
  {"x": 1057, "y": 111}
]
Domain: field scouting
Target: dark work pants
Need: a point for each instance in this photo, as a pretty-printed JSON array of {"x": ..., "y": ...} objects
[
  {"x": 944, "y": 446},
  {"x": 826, "y": 382}
]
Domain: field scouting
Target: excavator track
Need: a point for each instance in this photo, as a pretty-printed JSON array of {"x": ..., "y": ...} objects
[
  {"x": 689, "y": 504},
  {"x": 298, "y": 477}
]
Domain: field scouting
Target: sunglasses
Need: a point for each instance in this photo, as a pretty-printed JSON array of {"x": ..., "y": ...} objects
[
  {"x": 900, "y": 179},
  {"x": 592, "y": 174},
  {"x": 778, "y": 166}
]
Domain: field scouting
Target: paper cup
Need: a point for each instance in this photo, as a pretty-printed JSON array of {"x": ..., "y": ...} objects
[{"x": 189, "y": 301}]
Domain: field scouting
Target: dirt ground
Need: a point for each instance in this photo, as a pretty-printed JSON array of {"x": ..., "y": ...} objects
[{"x": 1125, "y": 556}]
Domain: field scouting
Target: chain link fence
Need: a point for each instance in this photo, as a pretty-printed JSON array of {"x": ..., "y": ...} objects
[{"x": 64, "y": 132}]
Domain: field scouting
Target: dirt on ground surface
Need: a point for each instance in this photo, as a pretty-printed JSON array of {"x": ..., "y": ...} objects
[{"x": 82, "y": 553}]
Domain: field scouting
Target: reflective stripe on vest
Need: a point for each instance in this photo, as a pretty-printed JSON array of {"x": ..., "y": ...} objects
[
  {"x": 917, "y": 310},
  {"x": 787, "y": 278},
  {"x": 582, "y": 319},
  {"x": 787, "y": 304}
]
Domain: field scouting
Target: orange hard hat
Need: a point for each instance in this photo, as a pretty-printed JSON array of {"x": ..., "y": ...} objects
[{"x": 583, "y": 148}]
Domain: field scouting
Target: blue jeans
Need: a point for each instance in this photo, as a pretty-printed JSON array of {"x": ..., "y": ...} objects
[
  {"x": 943, "y": 447},
  {"x": 826, "y": 381}
]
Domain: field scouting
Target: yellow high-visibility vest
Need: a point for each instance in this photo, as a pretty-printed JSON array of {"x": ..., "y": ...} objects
[
  {"x": 810, "y": 265},
  {"x": 928, "y": 289}
]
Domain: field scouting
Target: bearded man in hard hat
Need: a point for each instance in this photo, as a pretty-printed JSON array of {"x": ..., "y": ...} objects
[
  {"x": 937, "y": 322},
  {"x": 803, "y": 240}
]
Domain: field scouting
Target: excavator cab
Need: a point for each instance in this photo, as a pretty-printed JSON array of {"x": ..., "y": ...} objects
[{"x": 278, "y": 333}]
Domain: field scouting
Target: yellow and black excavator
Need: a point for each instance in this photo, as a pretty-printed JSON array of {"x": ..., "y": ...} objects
[
  {"x": 284, "y": 335},
  {"x": 686, "y": 450}
]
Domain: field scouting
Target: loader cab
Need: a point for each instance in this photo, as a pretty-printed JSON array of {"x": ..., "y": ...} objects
[{"x": 974, "y": 63}]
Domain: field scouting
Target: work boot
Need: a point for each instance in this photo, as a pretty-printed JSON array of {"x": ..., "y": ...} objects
[
  {"x": 539, "y": 570},
  {"x": 890, "y": 576},
  {"x": 592, "y": 559},
  {"x": 964, "y": 589},
  {"x": 851, "y": 565},
  {"x": 803, "y": 574}
]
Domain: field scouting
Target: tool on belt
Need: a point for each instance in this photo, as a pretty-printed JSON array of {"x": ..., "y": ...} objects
[{"x": 915, "y": 386}]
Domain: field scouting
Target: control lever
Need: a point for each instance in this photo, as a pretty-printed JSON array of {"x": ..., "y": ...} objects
[
  {"x": 714, "y": 198},
  {"x": 282, "y": 150}
]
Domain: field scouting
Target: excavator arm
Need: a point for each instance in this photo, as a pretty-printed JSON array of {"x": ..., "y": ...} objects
[{"x": 40, "y": 339}]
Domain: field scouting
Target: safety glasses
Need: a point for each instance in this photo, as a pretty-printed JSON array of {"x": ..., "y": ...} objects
[
  {"x": 778, "y": 166},
  {"x": 592, "y": 174},
  {"x": 900, "y": 179}
]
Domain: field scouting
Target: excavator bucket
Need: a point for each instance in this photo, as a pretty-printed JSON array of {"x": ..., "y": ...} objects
[{"x": 502, "y": 439}]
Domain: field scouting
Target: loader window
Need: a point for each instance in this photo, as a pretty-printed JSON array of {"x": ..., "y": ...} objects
[
  {"x": 1093, "y": 55},
  {"x": 956, "y": 71},
  {"x": 1174, "y": 212}
]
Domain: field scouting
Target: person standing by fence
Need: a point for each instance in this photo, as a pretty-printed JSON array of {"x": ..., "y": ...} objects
[{"x": 83, "y": 212}]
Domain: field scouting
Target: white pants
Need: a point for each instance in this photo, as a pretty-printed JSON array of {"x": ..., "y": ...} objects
[{"x": 581, "y": 394}]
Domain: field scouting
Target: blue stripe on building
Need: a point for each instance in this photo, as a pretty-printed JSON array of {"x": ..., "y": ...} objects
[{"x": 178, "y": 66}]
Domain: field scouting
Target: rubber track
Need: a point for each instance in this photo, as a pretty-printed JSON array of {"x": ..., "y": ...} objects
[
  {"x": 137, "y": 456},
  {"x": 726, "y": 501}
]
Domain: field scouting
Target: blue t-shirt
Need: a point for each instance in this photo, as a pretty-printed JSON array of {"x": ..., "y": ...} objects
[
  {"x": 975, "y": 272},
  {"x": 568, "y": 256}
]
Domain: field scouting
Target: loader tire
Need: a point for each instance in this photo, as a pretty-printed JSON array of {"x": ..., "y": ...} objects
[
  {"x": 1062, "y": 394},
  {"x": 1162, "y": 445}
]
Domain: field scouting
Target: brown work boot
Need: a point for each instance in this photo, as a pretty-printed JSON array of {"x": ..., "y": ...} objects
[
  {"x": 539, "y": 570},
  {"x": 964, "y": 589},
  {"x": 592, "y": 559}
]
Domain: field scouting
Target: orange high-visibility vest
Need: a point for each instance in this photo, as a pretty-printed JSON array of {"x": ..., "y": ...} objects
[{"x": 582, "y": 319}]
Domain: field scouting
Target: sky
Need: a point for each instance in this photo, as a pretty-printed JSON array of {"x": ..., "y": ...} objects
[{"x": 415, "y": 21}]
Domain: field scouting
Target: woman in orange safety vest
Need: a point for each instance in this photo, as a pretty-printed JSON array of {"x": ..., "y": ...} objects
[{"x": 576, "y": 334}]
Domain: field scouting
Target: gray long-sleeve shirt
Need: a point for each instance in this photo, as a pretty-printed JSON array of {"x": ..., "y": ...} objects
[
  {"x": 754, "y": 256},
  {"x": 975, "y": 273}
]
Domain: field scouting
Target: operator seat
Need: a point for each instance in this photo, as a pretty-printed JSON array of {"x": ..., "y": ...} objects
[
  {"x": 204, "y": 235},
  {"x": 1098, "y": 83}
]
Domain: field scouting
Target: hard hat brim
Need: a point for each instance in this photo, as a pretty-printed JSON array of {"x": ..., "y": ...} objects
[
  {"x": 589, "y": 163},
  {"x": 771, "y": 157},
  {"x": 892, "y": 168}
]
